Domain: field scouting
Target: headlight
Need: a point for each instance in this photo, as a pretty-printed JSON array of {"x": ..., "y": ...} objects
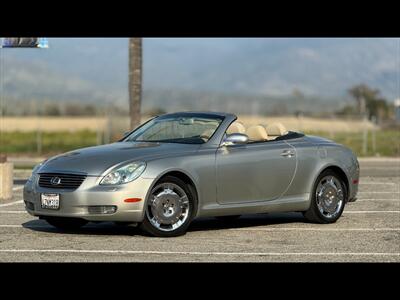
[
  {"x": 35, "y": 169},
  {"x": 124, "y": 174}
]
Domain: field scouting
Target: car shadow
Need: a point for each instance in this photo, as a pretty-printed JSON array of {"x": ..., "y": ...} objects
[
  {"x": 201, "y": 224},
  {"x": 103, "y": 228},
  {"x": 246, "y": 221}
]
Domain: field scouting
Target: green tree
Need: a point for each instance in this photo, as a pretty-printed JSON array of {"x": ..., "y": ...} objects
[
  {"x": 51, "y": 110},
  {"x": 369, "y": 101}
]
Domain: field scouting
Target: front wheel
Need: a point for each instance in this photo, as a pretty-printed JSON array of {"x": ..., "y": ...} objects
[
  {"x": 66, "y": 223},
  {"x": 328, "y": 199},
  {"x": 169, "y": 209}
]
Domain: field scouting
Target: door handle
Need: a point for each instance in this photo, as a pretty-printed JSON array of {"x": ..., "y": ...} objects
[{"x": 287, "y": 153}]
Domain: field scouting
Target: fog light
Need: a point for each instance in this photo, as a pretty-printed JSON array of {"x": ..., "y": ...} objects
[
  {"x": 102, "y": 210},
  {"x": 29, "y": 205}
]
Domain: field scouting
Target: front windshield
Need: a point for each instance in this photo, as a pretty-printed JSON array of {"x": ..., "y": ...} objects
[{"x": 177, "y": 129}]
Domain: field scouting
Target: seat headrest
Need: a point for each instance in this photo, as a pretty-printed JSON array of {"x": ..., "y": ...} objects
[
  {"x": 207, "y": 133},
  {"x": 236, "y": 127},
  {"x": 276, "y": 129},
  {"x": 257, "y": 133}
]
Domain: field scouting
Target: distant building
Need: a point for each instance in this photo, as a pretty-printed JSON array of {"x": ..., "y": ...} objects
[{"x": 397, "y": 109}]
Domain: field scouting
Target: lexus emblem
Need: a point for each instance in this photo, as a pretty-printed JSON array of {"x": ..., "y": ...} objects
[{"x": 55, "y": 180}]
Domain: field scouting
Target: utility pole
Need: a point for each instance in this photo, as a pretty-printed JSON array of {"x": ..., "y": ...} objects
[
  {"x": 135, "y": 80},
  {"x": 364, "y": 112}
]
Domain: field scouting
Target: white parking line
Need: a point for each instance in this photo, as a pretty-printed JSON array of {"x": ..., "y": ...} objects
[
  {"x": 11, "y": 203},
  {"x": 370, "y": 211},
  {"x": 348, "y": 211},
  {"x": 75, "y": 251},
  {"x": 235, "y": 229},
  {"x": 17, "y": 188},
  {"x": 372, "y": 199},
  {"x": 378, "y": 168},
  {"x": 373, "y": 183},
  {"x": 374, "y": 192},
  {"x": 314, "y": 229},
  {"x": 20, "y": 226}
]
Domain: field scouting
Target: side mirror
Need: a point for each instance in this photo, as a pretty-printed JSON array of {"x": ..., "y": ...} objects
[{"x": 235, "y": 139}]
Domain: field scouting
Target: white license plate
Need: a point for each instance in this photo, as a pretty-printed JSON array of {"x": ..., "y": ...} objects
[{"x": 50, "y": 201}]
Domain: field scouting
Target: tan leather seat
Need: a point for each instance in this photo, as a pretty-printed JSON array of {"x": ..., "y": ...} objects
[
  {"x": 275, "y": 129},
  {"x": 257, "y": 133},
  {"x": 236, "y": 127},
  {"x": 207, "y": 133}
]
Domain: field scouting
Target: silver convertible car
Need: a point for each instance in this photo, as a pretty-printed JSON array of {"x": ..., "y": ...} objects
[{"x": 181, "y": 166}]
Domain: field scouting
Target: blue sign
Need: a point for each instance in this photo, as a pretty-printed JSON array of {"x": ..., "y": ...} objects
[{"x": 26, "y": 42}]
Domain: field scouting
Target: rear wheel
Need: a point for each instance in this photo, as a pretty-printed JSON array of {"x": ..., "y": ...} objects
[
  {"x": 328, "y": 198},
  {"x": 66, "y": 223},
  {"x": 169, "y": 209}
]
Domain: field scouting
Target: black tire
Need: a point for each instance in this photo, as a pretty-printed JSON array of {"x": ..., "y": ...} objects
[
  {"x": 228, "y": 218},
  {"x": 150, "y": 229},
  {"x": 66, "y": 223},
  {"x": 313, "y": 214}
]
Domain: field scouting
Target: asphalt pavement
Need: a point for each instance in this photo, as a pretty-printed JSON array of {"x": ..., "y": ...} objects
[{"x": 368, "y": 231}]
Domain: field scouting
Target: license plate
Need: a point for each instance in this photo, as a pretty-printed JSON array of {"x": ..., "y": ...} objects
[{"x": 50, "y": 201}]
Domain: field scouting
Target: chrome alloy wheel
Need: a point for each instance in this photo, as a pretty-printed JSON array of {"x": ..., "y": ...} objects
[
  {"x": 329, "y": 196},
  {"x": 168, "y": 207}
]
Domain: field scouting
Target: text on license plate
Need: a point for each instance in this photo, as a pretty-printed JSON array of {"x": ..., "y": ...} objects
[{"x": 50, "y": 201}]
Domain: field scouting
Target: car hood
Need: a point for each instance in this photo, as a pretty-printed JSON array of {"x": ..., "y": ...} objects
[{"x": 95, "y": 160}]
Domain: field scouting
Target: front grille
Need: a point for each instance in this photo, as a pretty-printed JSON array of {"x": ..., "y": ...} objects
[{"x": 66, "y": 181}]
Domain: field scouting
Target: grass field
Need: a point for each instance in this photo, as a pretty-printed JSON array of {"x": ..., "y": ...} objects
[
  {"x": 387, "y": 143},
  {"x": 118, "y": 123},
  {"x": 52, "y": 142},
  {"x": 19, "y": 135}
]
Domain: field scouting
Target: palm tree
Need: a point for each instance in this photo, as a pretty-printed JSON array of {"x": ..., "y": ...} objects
[{"x": 135, "y": 80}]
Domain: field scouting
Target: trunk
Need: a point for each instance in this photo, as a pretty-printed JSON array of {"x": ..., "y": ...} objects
[{"x": 135, "y": 80}]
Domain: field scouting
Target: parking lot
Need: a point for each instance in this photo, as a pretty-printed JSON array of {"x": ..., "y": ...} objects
[{"x": 369, "y": 230}]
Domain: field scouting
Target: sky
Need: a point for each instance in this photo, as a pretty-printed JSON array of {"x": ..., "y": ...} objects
[{"x": 86, "y": 67}]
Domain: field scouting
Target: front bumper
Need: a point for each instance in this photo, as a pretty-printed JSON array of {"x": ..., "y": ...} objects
[
  {"x": 76, "y": 203},
  {"x": 354, "y": 178}
]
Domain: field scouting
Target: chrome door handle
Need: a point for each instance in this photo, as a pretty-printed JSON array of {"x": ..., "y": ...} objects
[{"x": 287, "y": 153}]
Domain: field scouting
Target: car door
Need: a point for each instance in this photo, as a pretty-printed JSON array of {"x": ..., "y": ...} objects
[{"x": 254, "y": 172}]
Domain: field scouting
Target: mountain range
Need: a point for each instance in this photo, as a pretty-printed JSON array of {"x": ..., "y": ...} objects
[{"x": 96, "y": 70}]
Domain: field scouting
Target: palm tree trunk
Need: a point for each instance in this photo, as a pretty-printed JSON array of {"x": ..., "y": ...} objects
[{"x": 135, "y": 80}]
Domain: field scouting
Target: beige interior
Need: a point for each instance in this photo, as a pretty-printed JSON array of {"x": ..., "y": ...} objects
[
  {"x": 257, "y": 133},
  {"x": 207, "y": 134},
  {"x": 275, "y": 130},
  {"x": 236, "y": 127}
]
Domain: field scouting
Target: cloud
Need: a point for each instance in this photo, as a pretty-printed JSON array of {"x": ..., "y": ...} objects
[{"x": 307, "y": 53}]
